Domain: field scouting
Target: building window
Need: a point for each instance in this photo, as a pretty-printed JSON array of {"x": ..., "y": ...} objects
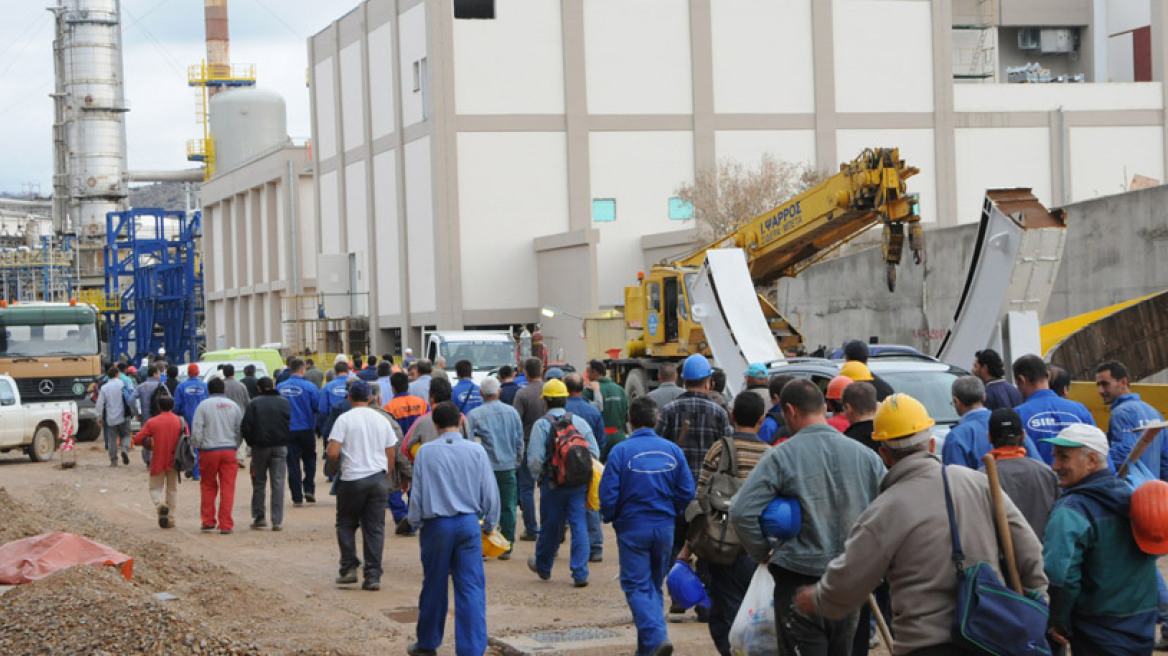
[
  {"x": 419, "y": 74},
  {"x": 680, "y": 210},
  {"x": 474, "y": 8},
  {"x": 604, "y": 210}
]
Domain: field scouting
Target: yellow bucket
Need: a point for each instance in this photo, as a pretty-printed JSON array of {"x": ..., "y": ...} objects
[{"x": 494, "y": 544}]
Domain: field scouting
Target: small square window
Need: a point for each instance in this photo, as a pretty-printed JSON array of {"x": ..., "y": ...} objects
[
  {"x": 604, "y": 210},
  {"x": 680, "y": 210},
  {"x": 474, "y": 8}
]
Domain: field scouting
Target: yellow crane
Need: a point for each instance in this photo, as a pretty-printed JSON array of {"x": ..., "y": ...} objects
[{"x": 780, "y": 243}]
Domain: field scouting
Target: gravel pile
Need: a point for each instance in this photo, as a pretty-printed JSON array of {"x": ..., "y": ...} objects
[{"x": 93, "y": 610}]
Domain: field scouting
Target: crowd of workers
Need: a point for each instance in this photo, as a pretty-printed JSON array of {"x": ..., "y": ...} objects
[{"x": 859, "y": 459}]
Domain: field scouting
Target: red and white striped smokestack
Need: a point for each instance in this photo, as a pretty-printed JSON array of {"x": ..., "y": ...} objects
[{"x": 218, "y": 38}]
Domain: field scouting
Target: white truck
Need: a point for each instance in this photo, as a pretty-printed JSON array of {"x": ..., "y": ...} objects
[
  {"x": 487, "y": 350},
  {"x": 35, "y": 427}
]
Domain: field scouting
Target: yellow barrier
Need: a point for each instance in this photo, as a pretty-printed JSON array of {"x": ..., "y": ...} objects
[{"x": 1086, "y": 393}]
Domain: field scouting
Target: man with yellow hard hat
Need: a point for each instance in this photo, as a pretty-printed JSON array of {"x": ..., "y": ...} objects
[
  {"x": 558, "y": 503},
  {"x": 856, "y": 367},
  {"x": 904, "y": 536}
]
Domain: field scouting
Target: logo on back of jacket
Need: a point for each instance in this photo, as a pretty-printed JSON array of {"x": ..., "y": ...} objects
[{"x": 1051, "y": 421}]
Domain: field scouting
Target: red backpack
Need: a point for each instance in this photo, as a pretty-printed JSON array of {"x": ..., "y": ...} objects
[{"x": 571, "y": 462}]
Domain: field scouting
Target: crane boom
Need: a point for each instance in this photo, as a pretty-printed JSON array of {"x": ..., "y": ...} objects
[
  {"x": 779, "y": 243},
  {"x": 791, "y": 237}
]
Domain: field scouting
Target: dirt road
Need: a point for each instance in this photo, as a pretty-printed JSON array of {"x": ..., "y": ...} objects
[{"x": 275, "y": 590}]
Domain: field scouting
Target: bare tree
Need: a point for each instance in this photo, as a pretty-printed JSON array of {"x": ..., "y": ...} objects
[{"x": 730, "y": 194}]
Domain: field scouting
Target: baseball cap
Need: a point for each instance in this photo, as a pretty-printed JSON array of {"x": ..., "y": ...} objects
[
  {"x": 131, "y": 369},
  {"x": 756, "y": 370},
  {"x": 490, "y": 386},
  {"x": 360, "y": 390},
  {"x": 1081, "y": 435},
  {"x": 192, "y": 369},
  {"x": 1005, "y": 422},
  {"x": 554, "y": 373}
]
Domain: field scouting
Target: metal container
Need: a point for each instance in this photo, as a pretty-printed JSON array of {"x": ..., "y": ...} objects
[{"x": 244, "y": 123}]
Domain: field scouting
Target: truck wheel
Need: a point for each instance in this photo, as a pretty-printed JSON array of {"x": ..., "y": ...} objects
[
  {"x": 44, "y": 443},
  {"x": 635, "y": 384},
  {"x": 88, "y": 431}
]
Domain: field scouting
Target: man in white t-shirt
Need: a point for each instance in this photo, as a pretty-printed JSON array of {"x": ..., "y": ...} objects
[{"x": 362, "y": 443}]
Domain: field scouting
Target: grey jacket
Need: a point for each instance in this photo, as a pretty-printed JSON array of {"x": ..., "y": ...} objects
[
  {"x": 833, "y": 477},
  {"x": 216, "y": 424},
  {"x": 904, "y": 537},
  {"x": 237, "y": 391}
]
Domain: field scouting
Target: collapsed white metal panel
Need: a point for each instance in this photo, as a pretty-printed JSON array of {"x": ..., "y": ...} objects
[
  {"x": 1013, "y": 271},
  {"x": 724, "y": 302}
]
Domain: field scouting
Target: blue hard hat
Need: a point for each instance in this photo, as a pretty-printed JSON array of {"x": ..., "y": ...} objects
[
  {"x": 696, "y": 367},
  {"x": 782, "y": 518},
  {"x": 685, "y": 589}
]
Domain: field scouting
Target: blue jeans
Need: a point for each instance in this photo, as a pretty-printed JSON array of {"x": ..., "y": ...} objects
[
  {"x": 595, "y": 533},
  {"x": 644, "y": 561},
  {"x": 452, "y": 547},
  {"x": 555, "y": 506},
  {"x": 526, "y": 486}
]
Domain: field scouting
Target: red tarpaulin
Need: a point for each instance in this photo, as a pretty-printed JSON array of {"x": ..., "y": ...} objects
[{"x": 22, "y": 561}]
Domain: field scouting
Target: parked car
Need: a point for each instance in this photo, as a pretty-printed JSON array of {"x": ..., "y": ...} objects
[
  {"x": 36, "y": 427},
  {"x": 208, "y": 368},
  {"x": 922, "y": 377}
]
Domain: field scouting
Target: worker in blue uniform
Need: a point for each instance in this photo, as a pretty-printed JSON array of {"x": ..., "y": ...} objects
[
  {"x": 453, "y": 487},
  {"x": 645, "y": 487},
  {"x": 1044, "y": 413},
  {"x": 1128, "y": 413},
  {"x": 302, "y": 397}
]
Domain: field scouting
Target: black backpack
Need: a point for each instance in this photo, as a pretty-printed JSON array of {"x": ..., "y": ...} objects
[
  {"x": 571, "y": 459},
  {"x": 185, "y": 461},
  {"x": 711, "y": 536},
  {"x": 159, "y": 392}
]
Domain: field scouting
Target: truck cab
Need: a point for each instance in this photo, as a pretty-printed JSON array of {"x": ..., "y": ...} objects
[{"x": 487, "y": 350}]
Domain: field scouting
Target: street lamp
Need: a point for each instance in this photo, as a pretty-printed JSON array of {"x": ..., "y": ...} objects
[{"x": 550, "y": 311}]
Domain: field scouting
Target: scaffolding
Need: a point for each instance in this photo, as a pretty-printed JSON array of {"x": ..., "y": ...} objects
[
  {"x": 205, "y": 77},
  {"x": 45, "y": 273},
  {"x": 307, "y": 330},
  {"x": 153, "y": 283}
]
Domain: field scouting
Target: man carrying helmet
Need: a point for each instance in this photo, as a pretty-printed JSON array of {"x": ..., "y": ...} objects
[
  {"x": 833, "y": 478},
  {"x": 558, "y": 504},
  {"x": 903, "y": 536},
  {"x": 1102, "y": 585}
]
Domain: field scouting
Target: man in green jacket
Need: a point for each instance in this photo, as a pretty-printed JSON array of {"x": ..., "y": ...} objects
[
  {"x": 1102, "y": 586},
  {"x": 613, "y": 403}
]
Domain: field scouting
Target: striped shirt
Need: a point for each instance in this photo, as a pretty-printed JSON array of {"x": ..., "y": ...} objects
[
  {"x": 708, "y": 422},
  {"x": 749, "y": 449}
]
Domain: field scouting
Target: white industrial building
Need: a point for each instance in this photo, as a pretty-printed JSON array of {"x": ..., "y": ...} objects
[{"x": 475, "y": 160}]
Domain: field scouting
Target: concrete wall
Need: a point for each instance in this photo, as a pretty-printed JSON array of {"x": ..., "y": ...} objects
[
  {"x": 1114, "y": 252},
  {"x": 254, "y": 258}
]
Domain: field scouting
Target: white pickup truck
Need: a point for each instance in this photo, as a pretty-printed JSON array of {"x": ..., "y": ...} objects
[{"x": 35, "y": 427}]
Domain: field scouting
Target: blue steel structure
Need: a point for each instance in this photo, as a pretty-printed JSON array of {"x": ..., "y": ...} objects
[{"x": 153, "y": 283}]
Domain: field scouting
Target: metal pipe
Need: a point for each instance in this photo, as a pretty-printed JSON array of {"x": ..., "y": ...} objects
[{"x": 184, "y": 175}]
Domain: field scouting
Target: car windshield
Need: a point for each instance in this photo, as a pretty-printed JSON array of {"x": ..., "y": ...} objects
[
  {"x": 929, "y": 387},
  {"x": 485, "y": 356}
]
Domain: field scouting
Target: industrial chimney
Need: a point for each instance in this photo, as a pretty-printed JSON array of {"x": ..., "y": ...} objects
[{"x": 218, "y": 39}]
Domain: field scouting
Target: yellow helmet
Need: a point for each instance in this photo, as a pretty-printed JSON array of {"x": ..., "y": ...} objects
[
  {"x": 555, "y": 389},
  {"x": 494, "y": 544},
  {"x": 856, "y": 370},
  {"x": 898, "y": 416}
]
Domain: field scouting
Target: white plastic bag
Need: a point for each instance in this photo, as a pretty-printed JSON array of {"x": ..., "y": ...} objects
[{"x": 753, "y": 632}]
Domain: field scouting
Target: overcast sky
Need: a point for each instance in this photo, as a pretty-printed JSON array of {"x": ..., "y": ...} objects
[{"x": 161, "y": 38}]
